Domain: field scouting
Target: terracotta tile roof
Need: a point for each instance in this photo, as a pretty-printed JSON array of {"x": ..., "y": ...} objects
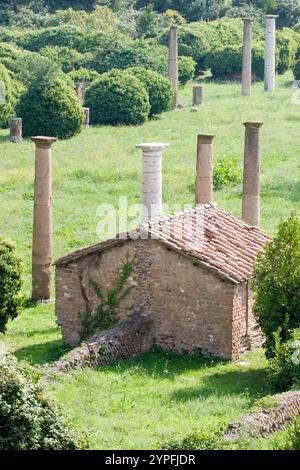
[{"x": 210, "y": 236}]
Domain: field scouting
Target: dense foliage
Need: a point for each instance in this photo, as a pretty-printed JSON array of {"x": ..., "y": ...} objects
[
  {"x": 276, "y": 285},
  {"x": 10, "y": 284},
  {"x": 50, "y": 108},
  {"x": 118, "y": 98},
  {"x": 158, "y": 88},
  {"x": 29, "y": 420},
  {"x": 6, "y": 97},
  {"x": 285, "y": 365},
  {"x": 186, "y": 69}
]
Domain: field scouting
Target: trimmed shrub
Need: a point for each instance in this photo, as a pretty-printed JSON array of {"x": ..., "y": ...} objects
[
  {"x": 6, "y": 96},
  {"x": 10, "y": 284},
  {"x": 117, "y": 98},
  {"x": 186, "y": 69},
  {"x": 226, "y": 62},
  {"x": 285, "y": 365},
  {"x": 276, "y": 285},
  {"x": 158, "y": 88},
  {"x": 83, "y": 74},
  {"x": 117, "y": 53},
  {"x": 29, "y": 420},
  {"x": 287, "y": 43},
  {"x": 66, "y": 57},
  {"x": 50, "y": 108}
]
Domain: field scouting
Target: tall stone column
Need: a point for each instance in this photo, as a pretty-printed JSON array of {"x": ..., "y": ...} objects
[
  {"x": 204, "y": 169},
  {"x": 270, "y": 53},
  {"x": 42, "y": 220},
  {"x": 198, "y": 95},
  {"x": 173, "y": 62},
  {"x": 251, "y": 185},
  {"x": 15, "y": 130},
  {"x": 247, "y": 58},
  {"x": 152, "y": 180}
]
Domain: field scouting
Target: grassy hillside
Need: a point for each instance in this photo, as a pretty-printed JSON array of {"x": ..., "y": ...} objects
[{"x": 140, "y": 403}]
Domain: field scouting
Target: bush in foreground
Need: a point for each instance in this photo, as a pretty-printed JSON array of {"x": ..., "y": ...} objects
[
  {"x": 276, "y": 285},
  {"x": 50, "y": 108},
  {"x": 285, "y": 365},
  {"x": 29, "y": 420},
  {"x": 158, "y": 88},
  {"x": 186, "y": 69},
  {"x": 118, "y": 98},
  {"x": 10, "y": 284}
]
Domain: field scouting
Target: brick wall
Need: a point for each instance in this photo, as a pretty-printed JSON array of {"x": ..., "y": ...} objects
[{"x": 191, "y": 307}]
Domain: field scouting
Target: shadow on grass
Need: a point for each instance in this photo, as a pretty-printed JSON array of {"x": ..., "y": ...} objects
[
  {"x": 38, "y": 354},
  {"x": 160, "y": 364},
  {"x": 252, "y": 382}
]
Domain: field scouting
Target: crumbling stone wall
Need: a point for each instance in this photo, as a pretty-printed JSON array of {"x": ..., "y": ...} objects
[
  {"x": 192, "y": 308},
  {"x": 127, "y": 339},
  {"x": 268, "y": 420}
]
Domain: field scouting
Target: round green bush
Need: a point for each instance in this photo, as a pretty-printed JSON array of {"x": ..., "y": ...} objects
[
  {"x": 29, "y": 420},
  {"x": 226, "y": 62},
  {"x": 82, "y": 74},
  {"x": 117, "y": 98},
  {"x": 6, "y": 96},
  {"x": 186, "y": 69},
  {"x": 286, "y": 44},
  {"x": 50, "y": 109},
  {"x": 10, "y": 284},
  {"x": 159, "y": 89}
]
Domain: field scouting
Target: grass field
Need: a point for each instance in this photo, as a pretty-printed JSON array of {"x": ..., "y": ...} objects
[{"x": 136, "y": 404}]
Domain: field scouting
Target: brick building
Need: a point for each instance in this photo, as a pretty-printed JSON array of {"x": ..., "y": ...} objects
[{"x": 191, "y": 275}]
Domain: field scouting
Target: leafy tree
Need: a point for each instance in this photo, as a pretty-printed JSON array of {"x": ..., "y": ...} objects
[
  {"x": 147, "y": 23},
  {"x": 276, "y": 285}
]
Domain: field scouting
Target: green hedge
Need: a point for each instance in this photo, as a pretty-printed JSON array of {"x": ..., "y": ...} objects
[
  {"x": 117, "y": 53},
  {"x": 50, "y": 109},
  {"x": 10, "y": 284},
  {"x": 226, "y": 62},
  {"x": 287, "y": 43},
  {"x": 6, "y": 98},
  {"x": 82, "y": 74},
  {"x": 28, "y": 419},
  {"x": 186, "y": 69},
  {"x": 158, "y": 88},
  {"x": 117, "y": 98}
]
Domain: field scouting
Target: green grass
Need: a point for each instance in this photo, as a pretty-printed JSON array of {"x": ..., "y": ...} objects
[
  {"x": 128, "y": 405},
  {"x": 141, "y": 403}
]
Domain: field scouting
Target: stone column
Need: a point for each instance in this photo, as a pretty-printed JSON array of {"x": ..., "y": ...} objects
[
  {"x": 204, "y": 170},
  {"x": 247, "y": 58},
  {"x": 152, "y": 180},
  {"x": 198, "y": 95},
  {"x": 42, "y": 220},
  {"x": 270, "y": 53},
  {"x": 173, "y": 62},
  {"x": 15, "y": 130},
  {"x": 86, "y": 120},
  {"x": 251, "y": 186}
]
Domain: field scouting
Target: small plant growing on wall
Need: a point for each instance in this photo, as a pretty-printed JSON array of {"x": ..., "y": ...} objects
[{"x": 106, "y": 313}]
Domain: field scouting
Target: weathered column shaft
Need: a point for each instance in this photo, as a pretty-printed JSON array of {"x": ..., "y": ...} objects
[
  {"x": 270, "y": 53},
  {"x": 173, "y": 62},
  {"x": 247, "y": 58},
  {"x": 15, "y": 130},
  {"x": 251, "y": 185},
  {"x": 152, "y": 181},
  {"x": 86, "y": 120},
  {"x": 42, "y": 220},
  {"x": 198, "y": 95},
  {"x": 204, "y": 170}
]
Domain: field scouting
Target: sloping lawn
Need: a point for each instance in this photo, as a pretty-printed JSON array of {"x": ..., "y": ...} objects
[{"x": 139, "y": 404}]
